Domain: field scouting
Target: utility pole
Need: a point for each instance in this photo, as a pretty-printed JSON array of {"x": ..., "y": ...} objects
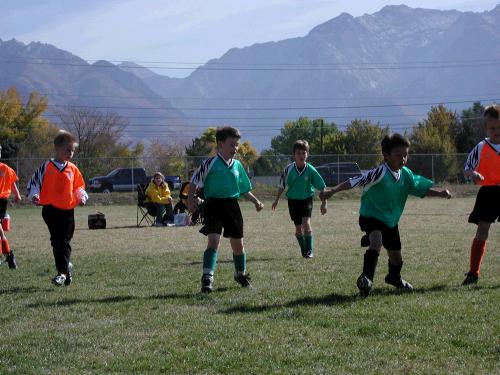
[{"x": 321, "y": 136}]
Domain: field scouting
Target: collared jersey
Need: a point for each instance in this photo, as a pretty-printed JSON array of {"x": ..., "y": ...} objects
[
  {"x": 221, "y": 179},
  {"x": 485, "y": 159},
  {"x": 7, "y": 177},
  {"x": 60, "y": 186},
  {"x": 301, "y": 183},
  {"x": 158, "y": 194},
  {"x": 385, "y": 192}
]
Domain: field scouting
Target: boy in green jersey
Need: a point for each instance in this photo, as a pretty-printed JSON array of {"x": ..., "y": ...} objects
[
  {"x": 223, "y": 179},
  {"x": 386, "y": 189},
  {"x": 301, "y": 178}
]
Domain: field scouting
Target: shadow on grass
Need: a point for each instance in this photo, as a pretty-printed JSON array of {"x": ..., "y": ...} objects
[
  {"x": 118, "y": 299},
  {"x": 114, "y": 227},
  {"x": 29, "y": 289},
  {"x": 230, "y": 261},
  {"x": 340, "y": 299}
]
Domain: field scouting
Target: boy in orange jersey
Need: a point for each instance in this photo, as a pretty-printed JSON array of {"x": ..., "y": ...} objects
[
  {"x": 483, "y": 167},
  {"x": 58, "y": 186},
  {"x": 8, "y": 178}
]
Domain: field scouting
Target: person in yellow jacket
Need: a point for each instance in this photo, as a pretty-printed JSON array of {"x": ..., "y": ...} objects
[{"x": 158, "y": 195}]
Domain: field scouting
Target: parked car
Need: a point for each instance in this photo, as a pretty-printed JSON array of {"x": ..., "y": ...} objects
[
  {"x": 335, "y": 173},
  {"x": 126, "y": 179}
]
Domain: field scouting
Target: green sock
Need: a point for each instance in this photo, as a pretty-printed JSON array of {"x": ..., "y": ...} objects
[
  {"x": 302, "y": 243},
  {"x": 240, "y": 263},
  {"x": 309, "y": 241},
  {"x": 209, "y": 261}
]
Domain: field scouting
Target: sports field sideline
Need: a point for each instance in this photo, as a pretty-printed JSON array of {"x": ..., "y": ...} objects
[{"x": 135, "y": 305}]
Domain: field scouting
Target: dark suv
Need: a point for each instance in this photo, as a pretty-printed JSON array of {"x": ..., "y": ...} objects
[{"x": 335, "y": 173}]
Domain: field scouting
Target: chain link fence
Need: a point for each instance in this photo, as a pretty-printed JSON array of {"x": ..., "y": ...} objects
[{"x": 265, "y": 169}]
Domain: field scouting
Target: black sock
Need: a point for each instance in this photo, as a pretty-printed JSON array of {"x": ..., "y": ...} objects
[
  {"x": 370, "y": 263},
  {"x": 395, "y": 271}
]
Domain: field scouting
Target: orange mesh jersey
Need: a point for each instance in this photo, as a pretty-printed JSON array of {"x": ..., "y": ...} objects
[
  {"x": 7, "y": 177},
  {"x": 57, "y": 187},
  {"x": 485, "y": 159}
]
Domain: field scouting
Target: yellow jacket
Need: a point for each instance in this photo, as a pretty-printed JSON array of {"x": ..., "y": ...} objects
[{"x": 158, "y": 194}]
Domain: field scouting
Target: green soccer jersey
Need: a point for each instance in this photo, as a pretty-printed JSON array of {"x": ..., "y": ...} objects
[
  {"x": 385, "y": 192},
  {"x": 301, "y": 184},
  {"x": 221, "y": 179}
]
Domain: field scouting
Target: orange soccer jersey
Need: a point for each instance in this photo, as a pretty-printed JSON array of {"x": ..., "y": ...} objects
[
  {"x": 59, "y": 187},
  {"x": 489, "y": 166},
  {"x": 7, "y": 177}
]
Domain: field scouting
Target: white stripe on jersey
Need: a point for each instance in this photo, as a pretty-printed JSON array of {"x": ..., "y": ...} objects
[
  {"x": 369, "y": 178},
  {"x": 35, "y": 183},
  {"x": 284, "y": 175},
  {"x": 473, "y": 158},
  {"x": 201, "y": 173}
]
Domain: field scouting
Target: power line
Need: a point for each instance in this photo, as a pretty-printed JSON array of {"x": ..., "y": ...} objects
[
  {"x": 286, "y": 68},
  {"x": 276, "y": 108},
  {"x": 263, "y": 98}
]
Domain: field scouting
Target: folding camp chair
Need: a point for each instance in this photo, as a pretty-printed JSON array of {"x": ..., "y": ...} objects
[{"x": 145, "y": 212}]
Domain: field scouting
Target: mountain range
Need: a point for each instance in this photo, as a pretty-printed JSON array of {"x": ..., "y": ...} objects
[{"x": 389, "y": 67}]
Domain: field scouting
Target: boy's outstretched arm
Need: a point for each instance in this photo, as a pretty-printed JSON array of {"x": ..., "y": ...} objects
[
  {"x": 252, "y": 198},
  {"x": 438, "y": 193},
  {"x": 473, "y": 175},
  {"x": 17, "y": 195},
  {"x": 327, "y": 193},
  {"x": 275, "y": 203}
]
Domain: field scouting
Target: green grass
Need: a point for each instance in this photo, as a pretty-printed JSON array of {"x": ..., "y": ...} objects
[{"x": 135, "y": 306}]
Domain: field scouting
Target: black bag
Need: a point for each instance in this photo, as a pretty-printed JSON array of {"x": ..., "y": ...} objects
[{"x": 97, "y": 221}]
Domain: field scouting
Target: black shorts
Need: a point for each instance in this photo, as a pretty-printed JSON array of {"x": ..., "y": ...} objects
[
  {"x": 223, "y": 213},
  {"x": 390, "y": 236},
  {"x": 299, "y": 208},
  {"x": 3, "y": 207},
  {"x": 487, "y": 206}
]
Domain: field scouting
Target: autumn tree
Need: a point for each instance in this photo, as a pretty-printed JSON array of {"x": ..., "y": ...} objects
[{"x": 435, "y": 135}]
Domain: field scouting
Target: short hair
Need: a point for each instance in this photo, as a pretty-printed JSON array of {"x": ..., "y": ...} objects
[
  {"x": 221, "y": 134},
  {"x": 300, "y": 145},
  {"x": 492, "y": 112},
  {"x": 63, "y": 138},
  {"x": 391, "y": 141}
]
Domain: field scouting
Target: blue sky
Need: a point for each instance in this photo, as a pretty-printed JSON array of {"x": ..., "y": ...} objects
[{"x": 180, "y": 30}]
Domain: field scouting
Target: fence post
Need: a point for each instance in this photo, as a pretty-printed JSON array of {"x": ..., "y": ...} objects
[
  {"x": 133, "y": 175},
  {"x": 432, "y": 166}
]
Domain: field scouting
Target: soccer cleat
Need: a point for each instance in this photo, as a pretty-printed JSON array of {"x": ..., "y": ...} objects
[
  {"x": 59, "y": 279},
  {"x": 11, "y": 261},
  {"x": 470, "y": 279},
  {"x": 243, "y": 280},
  {"x": 207, "y": 282},
  {"x": 309, "y": 255},
  {"x": 364, "y": 285},
  {"x": 399, "y": 283}
]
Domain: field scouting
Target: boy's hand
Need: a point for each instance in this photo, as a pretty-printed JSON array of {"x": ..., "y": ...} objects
[
  {"x": 275, "y": 203},
  {"x": 476, "y": 177},
  {"x": 323, "y": 208},
  {"x": 192, "y": 206},
  {"x": 259, "y": 206},
  {"x": 35, "y": 199},
  {"x": 17, "y": 199},
  {"x": 446, "y": 194}
]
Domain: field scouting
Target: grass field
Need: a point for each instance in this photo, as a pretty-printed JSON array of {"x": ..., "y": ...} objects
[{"x": 134, "y": 306}]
